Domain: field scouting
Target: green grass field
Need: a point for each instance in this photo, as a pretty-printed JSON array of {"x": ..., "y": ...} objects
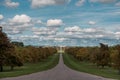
[
  {"x": 87, "y": 67},
  {"x": 28, "y": 68}
]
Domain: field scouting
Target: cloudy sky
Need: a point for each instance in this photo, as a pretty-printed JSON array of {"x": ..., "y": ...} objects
[{"x": 61, "y": 22}]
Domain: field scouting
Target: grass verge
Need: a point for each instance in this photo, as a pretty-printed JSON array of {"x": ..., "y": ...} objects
[
  {"x": 88, "y": 67},
  {"x": 29, "y": 68}
]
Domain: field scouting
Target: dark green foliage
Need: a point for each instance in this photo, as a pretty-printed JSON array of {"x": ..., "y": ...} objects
[
  {"x": 6, "y": 51},
  {"x": 14, "y": 61},
  {"x": 103, "y": 56},
  {"x": 90, "y": 68},
  {"x": 18, "y": 43},
  {"x": 99, "y": 56},
  {"x": 4, "y": 47},
  {"x": 34, "y": 54},
  {"x": 116, "y": 58},
  {"x": 29, "y": 68}
]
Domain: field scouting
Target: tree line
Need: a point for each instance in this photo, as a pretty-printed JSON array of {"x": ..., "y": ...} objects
[
  {"x": 16, "y": 54},
  {"x": 100, "y": 56}
]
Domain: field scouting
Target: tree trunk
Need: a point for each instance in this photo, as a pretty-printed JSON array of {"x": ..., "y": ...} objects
[
  {"x": 1, "y": 68},
  {"x": 12, "y": 67},
  {"x": 119, "y": 71},
  {"x": 102, "y": 66}
]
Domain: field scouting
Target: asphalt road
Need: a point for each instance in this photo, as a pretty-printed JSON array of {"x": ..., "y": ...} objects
[{"x": 60, "y": 72}]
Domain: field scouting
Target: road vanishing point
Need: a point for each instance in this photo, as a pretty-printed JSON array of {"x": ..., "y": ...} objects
[{"x": 60, "y": 72}]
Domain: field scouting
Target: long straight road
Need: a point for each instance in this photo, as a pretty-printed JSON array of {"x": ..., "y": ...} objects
[{"x": 60, "y": 72}]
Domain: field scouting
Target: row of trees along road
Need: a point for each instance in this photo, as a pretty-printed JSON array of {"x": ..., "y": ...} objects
[
  {"x": 101, "y": 56},
  {"x": 7, "y": 52},
  {"x": 33, "y": 54},
  {"x": 15, "y": 53}
]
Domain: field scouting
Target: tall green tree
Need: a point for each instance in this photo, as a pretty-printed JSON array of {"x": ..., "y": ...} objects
[
  {"x": 82, "y": 54},
  {"x": 116, "y": 58},
  {"x": 12, "y": 59},
  {"x": 4, "y": 46},
  {"x": 7, "y": 53},
  {"x": 103, "y": 56},
  {"x": 21, "y": 44}
]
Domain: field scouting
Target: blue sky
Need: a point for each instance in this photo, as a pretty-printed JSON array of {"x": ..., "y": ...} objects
[{"x": 61, "y": 22}]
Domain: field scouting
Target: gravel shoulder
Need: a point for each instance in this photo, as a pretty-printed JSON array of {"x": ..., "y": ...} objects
[{"x": 60, "y": 72}]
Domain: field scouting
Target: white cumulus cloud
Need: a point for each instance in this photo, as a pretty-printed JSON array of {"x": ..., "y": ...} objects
[
  {"x": 23, "y": 18},
  {"x": 39, "y": 22},
  {"x": 9, "y": 3},
  {"x": 91, "y": 30},
  {"x": 80, "y": 3},
  {"x": 103, "y": 1},
  {"x": 54, "y": 22},
  {"x": 42, "y": 3},
  {"x": 43, "y": 31},
  {"x": 1, "y": 16},
  {"x": 76, "y": 32},
  {"x": 92, "y": 22},
  {"x": 17, "y": 24},
  {"x": 117, "y": 35},
  {"x": 72, "y": 29},
  {"x": 118, "y": 3}
]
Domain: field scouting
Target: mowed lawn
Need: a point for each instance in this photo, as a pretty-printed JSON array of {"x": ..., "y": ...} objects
[
  {"x": 91, "y": 68},
  {"x": 28, "y": 68}
]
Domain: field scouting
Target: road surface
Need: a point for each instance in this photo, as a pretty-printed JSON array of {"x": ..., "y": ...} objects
[{"x": 60, "y": 72}]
